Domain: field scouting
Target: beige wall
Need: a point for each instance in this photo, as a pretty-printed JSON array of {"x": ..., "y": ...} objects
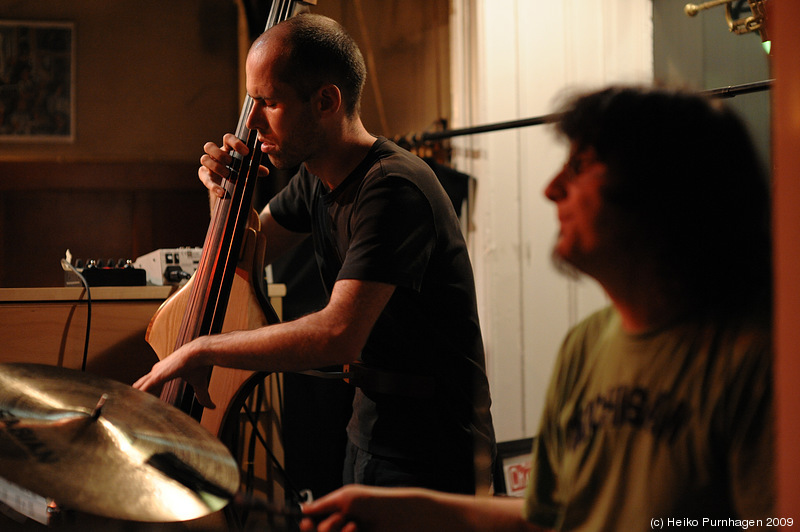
[{"x": 509, "y": 72}]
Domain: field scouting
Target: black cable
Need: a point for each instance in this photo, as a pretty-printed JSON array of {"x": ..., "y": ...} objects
[{"x": 67, "y": 266}]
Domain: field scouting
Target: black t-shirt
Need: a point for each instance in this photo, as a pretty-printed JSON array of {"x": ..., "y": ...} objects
[{"x": 390, "y": 221}]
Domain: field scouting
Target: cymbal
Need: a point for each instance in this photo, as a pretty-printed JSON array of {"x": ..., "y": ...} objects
[{"x": 99, "y": 446}]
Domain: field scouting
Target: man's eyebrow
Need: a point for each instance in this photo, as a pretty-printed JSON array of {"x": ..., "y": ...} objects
[
  {"x": 261, "y": 98},
  {"x": 262, "y": 93}
]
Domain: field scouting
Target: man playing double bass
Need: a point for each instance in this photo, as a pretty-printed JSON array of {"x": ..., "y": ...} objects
[{"x": 391, "y": 256}]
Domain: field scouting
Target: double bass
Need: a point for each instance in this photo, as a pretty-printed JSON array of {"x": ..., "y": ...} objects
[{"x": 228, "y": 291}]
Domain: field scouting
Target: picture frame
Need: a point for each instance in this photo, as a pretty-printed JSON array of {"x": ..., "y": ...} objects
[
  {"x": 512, "y": 467},
  {"x": 37, "y": 81}
]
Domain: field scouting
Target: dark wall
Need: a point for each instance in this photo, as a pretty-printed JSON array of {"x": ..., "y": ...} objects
[
  {"x": 110, "y": 211},
  {"x": 702, "y": 53},
  {"x": 152, "y": 81}
]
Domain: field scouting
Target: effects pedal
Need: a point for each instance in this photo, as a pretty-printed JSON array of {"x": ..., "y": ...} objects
[{"x": 106, "y": 273}]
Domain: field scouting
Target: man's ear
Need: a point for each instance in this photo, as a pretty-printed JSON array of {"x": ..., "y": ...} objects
[{"x": 328, "y": 99}]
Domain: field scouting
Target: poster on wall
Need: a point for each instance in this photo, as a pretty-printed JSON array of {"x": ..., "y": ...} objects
[
  {"x": 37, "y": 82},
  {"x": 513, "y": 467}
]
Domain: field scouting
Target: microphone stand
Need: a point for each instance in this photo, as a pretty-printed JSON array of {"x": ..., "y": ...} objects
[{"x": 415, "y": 139}]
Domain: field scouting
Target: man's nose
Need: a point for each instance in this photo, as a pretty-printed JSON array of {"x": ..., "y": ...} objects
[
  {"x": 554, "y": 190},
  {"x": 255, "y": 118}
]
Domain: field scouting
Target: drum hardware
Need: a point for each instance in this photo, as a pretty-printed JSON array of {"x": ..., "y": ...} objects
[{"x": 18, "y": 504}]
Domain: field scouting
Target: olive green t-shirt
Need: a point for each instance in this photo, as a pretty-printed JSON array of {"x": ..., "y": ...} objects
[{"x": 672, "y": 428}]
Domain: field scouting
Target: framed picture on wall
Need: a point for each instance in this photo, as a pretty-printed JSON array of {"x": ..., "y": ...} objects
[{"x": 37, "y": 81}]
